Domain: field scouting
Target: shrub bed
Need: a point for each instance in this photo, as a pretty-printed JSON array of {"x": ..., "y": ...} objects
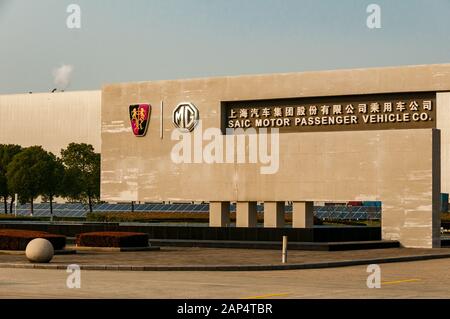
[
  {"x": 21, "y": 218},
  {"x": 18, "y": 239},
  {"x": 112, "y": 239}
]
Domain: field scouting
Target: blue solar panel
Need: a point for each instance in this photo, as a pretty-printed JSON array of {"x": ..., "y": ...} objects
[
  {"x": 191, "y": 207},
  {"x": 103, "y": 206},
  {"x": 125, "y": 207},
  {"x": 112, "y": 207},
  {"x": 80, "y": 210},
  {"x": 195, "y": 208}
]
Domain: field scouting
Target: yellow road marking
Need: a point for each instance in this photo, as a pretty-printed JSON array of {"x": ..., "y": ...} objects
[
  {"x": 383, "y": 283},
  {"x": 267, "y": 296},
  {"x": 399, "y": 281}
]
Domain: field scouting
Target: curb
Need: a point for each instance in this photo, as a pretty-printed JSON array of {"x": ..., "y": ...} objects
[
  {"x": 261, "y": 267},
  {"x": 113, "y": 249},
  {"x": 22, "y": 252}
]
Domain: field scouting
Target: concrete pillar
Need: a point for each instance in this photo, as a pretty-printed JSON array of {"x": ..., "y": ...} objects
[
  {"x": 274, "y": 214},
  {"x": 302, "y": 215},
  {"x": 411, "y": 207},
  {"x": 246, "y": 214},
  {"x": 219, "y": 214}
]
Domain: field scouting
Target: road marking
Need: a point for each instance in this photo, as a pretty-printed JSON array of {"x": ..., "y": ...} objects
[
  {"x": 399, "y": 281},
  {"x": 267, "y": 296}
]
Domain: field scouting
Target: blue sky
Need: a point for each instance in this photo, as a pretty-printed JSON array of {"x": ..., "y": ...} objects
[{"x": 136, "y": 40}]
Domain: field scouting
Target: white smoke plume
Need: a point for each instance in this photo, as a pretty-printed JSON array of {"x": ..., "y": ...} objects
[{"x": 61, "y": 76}]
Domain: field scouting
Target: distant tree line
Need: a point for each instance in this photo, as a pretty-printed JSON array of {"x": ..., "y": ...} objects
[{"x": 32, "y": 171}]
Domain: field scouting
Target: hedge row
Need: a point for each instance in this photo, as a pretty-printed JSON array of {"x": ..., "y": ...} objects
[
  {"x": 112, "y": 239},
  {"x": 17, "y": 239}
]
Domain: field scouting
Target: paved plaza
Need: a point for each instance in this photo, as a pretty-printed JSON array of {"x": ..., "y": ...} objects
[{"x": 420, "y": 279}]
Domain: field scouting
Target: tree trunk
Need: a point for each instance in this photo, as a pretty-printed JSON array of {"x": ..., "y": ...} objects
[
  {"x": 90, "y": 203},
  {"x": 32, "y": 207},
  {"x": 5, "y": 201},
  {"x": 11, "y": 204},
  {"x": 51, "y": 208}
]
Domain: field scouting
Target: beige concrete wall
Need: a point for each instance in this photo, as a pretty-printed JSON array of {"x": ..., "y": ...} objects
[
  {"x": 52, "y": 120},
  {"x": 443, "y": 124},
  {"x": 394, "y": 166}
]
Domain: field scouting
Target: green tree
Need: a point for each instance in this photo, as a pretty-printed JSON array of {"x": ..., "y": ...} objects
[
  {"x": 82, "y": 173},
  {"x": 34, "y": 172},
  {"x": 53, "y": 169},
  {"x": 7, "y": 152}
]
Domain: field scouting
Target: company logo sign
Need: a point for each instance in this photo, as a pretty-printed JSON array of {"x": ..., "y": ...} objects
[
  {"x": 185, "y": 116},
  {"x": 139, "y": 117}
]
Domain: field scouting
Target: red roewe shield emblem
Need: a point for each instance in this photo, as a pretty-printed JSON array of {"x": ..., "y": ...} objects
[{"x": 139, "y": 117}]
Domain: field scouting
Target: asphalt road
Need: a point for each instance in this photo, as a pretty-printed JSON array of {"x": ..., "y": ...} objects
[{"x": 420, "y": 279}]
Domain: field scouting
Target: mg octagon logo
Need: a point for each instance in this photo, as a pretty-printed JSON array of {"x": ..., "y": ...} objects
[{"x": 185, "y": 116}]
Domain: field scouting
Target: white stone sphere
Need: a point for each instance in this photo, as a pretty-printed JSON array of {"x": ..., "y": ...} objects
[{"x": 39, "y": 250}]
